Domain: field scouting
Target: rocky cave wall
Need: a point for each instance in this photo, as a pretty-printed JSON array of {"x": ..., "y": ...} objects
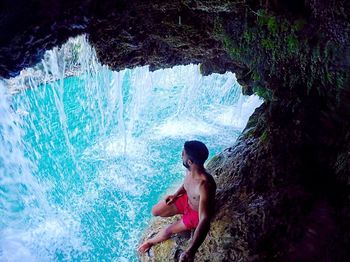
[{"x": 283, "y": 188}]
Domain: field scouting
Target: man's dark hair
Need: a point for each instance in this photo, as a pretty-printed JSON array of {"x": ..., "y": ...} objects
[{"x": 197, "y": 151}]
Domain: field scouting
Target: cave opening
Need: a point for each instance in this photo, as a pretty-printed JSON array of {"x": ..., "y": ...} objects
[{"x": 89, "y": 150}]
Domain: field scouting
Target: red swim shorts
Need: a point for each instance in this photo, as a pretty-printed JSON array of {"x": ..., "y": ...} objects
[{"x": 189, "y": 216}]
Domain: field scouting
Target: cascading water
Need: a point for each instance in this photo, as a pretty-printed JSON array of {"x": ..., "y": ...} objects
[{"x": 85, "y": 152}]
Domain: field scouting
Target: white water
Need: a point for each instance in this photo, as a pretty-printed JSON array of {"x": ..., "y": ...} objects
[{"x": 83, "y": 159}]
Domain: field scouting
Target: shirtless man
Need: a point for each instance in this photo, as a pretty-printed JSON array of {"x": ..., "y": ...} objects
[{"x": 194, "y": 200}]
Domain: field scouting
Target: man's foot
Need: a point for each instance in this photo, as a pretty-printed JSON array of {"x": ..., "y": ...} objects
[{"x": 145, "y": 246}]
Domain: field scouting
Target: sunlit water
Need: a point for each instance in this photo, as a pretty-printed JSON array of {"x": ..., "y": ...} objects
[{"x": 84, "y": 158}]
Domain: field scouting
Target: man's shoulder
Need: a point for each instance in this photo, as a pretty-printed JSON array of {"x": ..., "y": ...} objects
[
  {"x": 210, "y": 178},
  {"x": 208, "y": 181}
]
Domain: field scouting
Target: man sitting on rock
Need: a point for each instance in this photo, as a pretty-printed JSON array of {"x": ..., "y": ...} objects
[{"x": 194, "y": 200}]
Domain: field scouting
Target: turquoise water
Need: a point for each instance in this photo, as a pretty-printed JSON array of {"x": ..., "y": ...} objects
[{"x": 84, "y": 158}]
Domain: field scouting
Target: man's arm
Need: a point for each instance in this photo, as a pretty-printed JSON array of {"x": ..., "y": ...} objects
[
  {"x": 206, "y": 210},
  {"x": 180, "y": 191},
  {"x": 171, "y": 198}
]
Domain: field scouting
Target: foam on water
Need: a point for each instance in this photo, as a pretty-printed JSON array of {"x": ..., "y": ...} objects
[
  {"x": 83, "y": 158},
  {"x": 185, "y": 127}
]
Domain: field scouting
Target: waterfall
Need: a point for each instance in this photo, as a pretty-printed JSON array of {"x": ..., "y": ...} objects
[{"x": 85, "y": 151}]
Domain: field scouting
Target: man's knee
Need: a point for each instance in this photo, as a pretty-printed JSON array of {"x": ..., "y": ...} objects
[
  {"x": 163, "y": 210},
  {"x": 154, "y": 211}
]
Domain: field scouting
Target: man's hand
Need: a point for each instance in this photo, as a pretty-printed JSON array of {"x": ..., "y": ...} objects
[
  {"x": 186, "y": 257},
  {"x": 170, "y": 199}
]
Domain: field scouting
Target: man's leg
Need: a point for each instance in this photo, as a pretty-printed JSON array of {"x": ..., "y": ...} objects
[
  {"x": 164, "y": 210},
  {"x": 164, "y": 234}
]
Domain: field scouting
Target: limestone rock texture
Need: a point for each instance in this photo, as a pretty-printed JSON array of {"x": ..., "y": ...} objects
[{"x": 284, "y": 186}]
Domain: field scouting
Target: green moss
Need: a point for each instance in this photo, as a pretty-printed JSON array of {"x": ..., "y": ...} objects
[
  {"x": 262, "y": 17},
  {"x": 214, "y": 160},
  {"x": 268, "y": 20},
  {"x": 229, "y": 45},
  {"x": 263, "y": 92},
  {"x": 268, "y": 44},
  {"x": 256, "y": 76},
  {"x": 264, "y": 137},
  {"x": 293, "y": 44},
  {"x": 272, "y": 24},
  {"x": 249, "y": 132},
  {"x": 277, "y": 47},
  {"x": 248, "y": 36}
]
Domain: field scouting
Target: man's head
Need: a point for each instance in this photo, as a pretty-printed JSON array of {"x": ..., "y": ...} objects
[{"x": 195, "y": 152}]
